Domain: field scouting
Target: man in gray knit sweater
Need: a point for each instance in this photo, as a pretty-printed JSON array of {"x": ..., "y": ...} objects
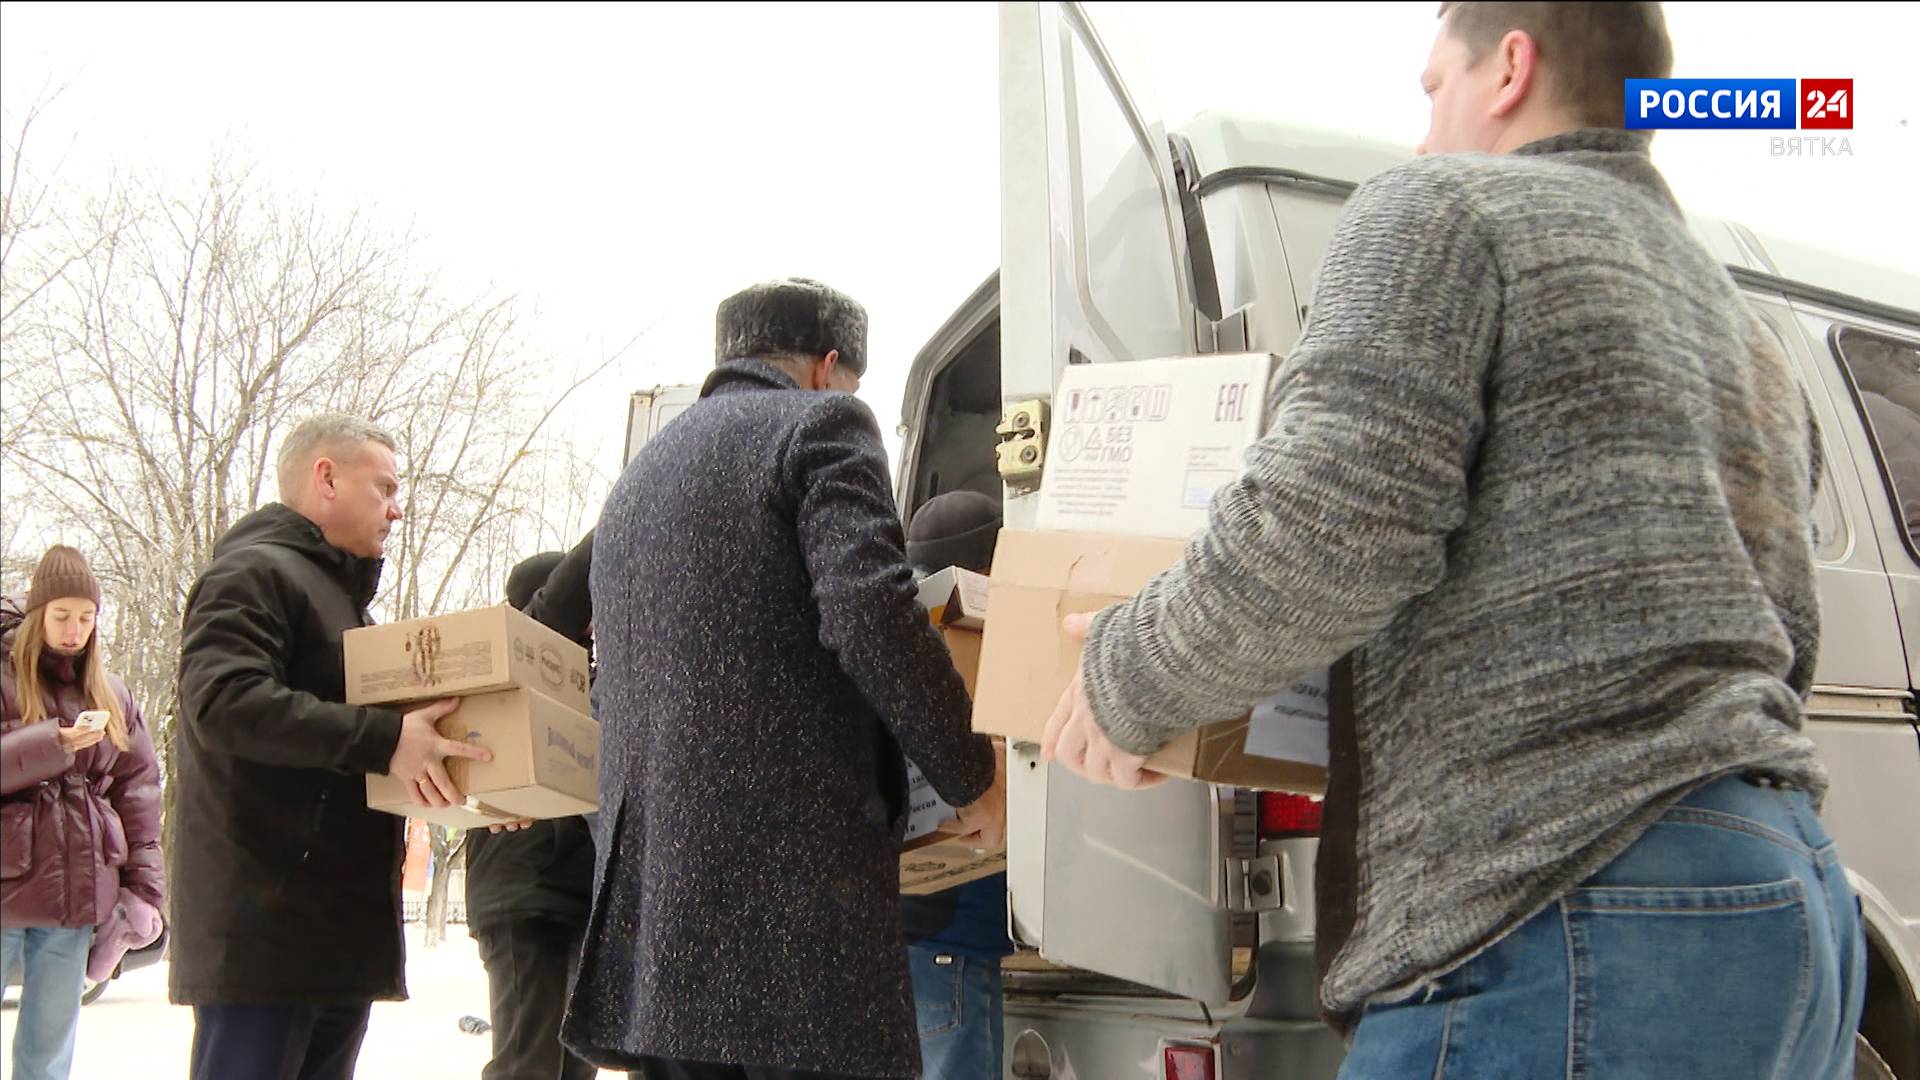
[{"x": 1536, "y": 473}]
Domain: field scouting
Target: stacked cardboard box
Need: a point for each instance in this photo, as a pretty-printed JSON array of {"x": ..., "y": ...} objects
[
  {"x": 523, "y": 696},
  {"x": 1137, "y": 451}
]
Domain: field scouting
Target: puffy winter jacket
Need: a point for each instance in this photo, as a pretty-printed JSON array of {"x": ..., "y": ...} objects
[{"x": 74, "y": 828}]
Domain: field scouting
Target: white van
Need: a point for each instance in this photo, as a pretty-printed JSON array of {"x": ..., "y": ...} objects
[
  {"x": 650, "y": 410},
  {"x": 1165, "y": 934}
]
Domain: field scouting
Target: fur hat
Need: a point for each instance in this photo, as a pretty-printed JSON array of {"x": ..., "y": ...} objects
[
  {"x": 958, "y": 528},
  {"x": 63, "y": 574},
  {"x": 795, "y": 315},
  {"x": 525, "y": 579}
]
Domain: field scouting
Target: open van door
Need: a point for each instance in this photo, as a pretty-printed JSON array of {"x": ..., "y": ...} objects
[{"x": 1093, "y": 268}]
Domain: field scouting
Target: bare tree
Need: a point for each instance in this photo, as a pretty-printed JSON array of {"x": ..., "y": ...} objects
[{"x": 158, "y": 339}]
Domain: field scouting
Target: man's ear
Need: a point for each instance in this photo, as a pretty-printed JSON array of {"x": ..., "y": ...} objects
[
  {"x": 325, "y": 480},
  {"x": 823, "y": 371},
  {"x": 1518, "y": 58}
]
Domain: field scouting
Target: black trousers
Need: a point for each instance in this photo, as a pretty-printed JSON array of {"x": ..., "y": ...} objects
[
  {"x": 277, "y": 1042},
  {"x": 530, "y": 965},
  {"x": 662, "y": 1069}
]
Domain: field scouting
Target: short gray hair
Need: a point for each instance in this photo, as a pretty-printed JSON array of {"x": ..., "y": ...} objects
[{"x": 317, "y": 436}]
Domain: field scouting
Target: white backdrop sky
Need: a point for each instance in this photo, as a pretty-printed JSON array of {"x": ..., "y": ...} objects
[{"x": 624, "y": 167}]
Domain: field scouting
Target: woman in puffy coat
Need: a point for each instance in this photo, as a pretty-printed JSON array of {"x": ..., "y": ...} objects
[{"x": 79, "y": 809}]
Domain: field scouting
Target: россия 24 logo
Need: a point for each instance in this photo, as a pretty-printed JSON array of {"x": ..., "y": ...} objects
[{"x": 1739, "y": 104}]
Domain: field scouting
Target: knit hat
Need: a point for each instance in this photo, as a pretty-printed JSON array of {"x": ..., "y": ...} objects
[
  {"x": 794, "y": 315},
  {"x": 63, "y": 574},
  {"x": 958, "y": 528},
  {"x": 526, "y": 579}
]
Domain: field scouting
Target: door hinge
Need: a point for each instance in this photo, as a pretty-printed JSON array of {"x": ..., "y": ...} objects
[
  {"x": 1232, "y": 333},
  {"x": 1255, "y": 884},
  {"x": 1023, "y": 444}
]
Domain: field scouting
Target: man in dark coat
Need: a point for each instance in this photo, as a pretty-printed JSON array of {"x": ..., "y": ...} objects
[
  {"x": 528, "y": 891},
  {"x": 286, "y": 914},
  {"x": 763, "y": 664}
]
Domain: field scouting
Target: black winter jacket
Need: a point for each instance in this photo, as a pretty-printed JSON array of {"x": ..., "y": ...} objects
[
  {"x": 286, "y": 886},
  {"x": 544, "y": 871}
]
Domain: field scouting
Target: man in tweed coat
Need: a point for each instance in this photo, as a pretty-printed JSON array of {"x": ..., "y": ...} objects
[
  {"x": 763, "y": 664},
  {"x": 1537, "y": 468}
]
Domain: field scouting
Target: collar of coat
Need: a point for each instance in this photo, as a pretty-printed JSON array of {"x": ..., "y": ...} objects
[
  {"x": 746, "y": 373},
  {"x": 1624, "y": 155},
  {"x": 283, "y": 526}
]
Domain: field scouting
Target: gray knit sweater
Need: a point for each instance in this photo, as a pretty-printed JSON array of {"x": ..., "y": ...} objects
[{"x": 1539, "y": 469}]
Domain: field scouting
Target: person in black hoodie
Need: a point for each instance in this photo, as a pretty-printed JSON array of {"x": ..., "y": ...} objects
[
  {"x": 528, "y": 892},
  {"x": 286, "y": 914}
]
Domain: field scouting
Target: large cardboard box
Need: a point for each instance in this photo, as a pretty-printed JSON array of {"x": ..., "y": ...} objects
[
  {"x": 1027, "y": 660},
  {"x": 546, "y": 763},
  {"x": 1139, "y": 448},
  {"x": 470, "y": 652}
]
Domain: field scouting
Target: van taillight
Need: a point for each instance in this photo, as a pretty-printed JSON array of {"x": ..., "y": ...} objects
[
  {"x": 1283, "y": 815},
  {"x": 1187, "y": 1063}
]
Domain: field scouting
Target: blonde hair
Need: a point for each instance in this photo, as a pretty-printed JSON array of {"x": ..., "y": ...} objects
[{"x": 29, "y": 643}]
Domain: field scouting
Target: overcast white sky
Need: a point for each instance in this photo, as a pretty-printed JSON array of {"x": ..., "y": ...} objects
[{"x": 627, "y": 166}]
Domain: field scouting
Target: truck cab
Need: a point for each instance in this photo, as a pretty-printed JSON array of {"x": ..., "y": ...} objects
[{"x": 1168, "y": 933}]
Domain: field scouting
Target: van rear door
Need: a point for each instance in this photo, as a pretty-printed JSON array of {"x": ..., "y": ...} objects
[{"x": 1094, "y": 268}]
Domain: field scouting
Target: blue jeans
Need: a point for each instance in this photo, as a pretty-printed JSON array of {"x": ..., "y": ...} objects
[
  {"x": 958, "y": 1000},
  {"x": 1724, "y": 944},
  {"x": 49, "y": 1016}
]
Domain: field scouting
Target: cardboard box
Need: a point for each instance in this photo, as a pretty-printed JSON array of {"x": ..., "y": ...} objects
[
  {"x": 546, "y": 763},
  {"x": 1027, "y": 660},
  {"x": 938, "y": 867},
  {"x": 955, "y": 598},
  {"x": 932, "y": 860},
  {"x": 1139, "y": 448},
  {"x": 964, "y": 645},
  {"x": 471, "y": 652},
  {"x": 956, "y": 601},
  {"x": 926, "y": 810}
]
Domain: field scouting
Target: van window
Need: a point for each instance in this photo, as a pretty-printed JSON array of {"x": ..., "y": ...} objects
[
  {"x": 1125, "y": 251},
  {"x": 1884, "y": 373}
]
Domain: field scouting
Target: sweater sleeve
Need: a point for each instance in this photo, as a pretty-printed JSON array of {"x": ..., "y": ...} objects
[
  {"x": 1343, "y": 513},
  {"x": 31, "y": 754}
]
